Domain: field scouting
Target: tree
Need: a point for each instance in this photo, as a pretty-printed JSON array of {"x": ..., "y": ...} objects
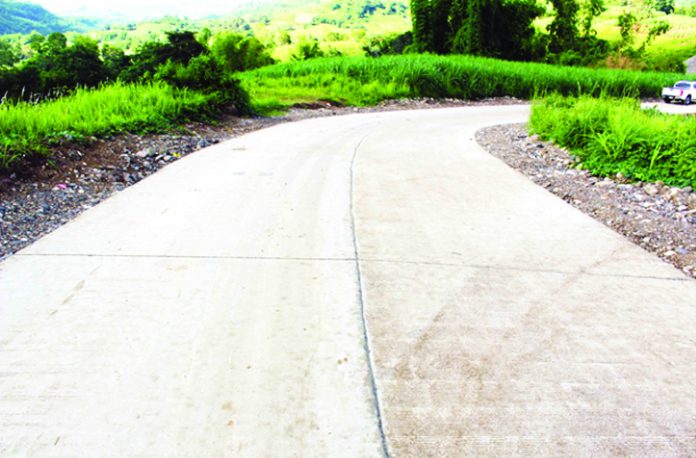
[
  {"x": 308, "y": 49},
  {"x": 36, "y": 42},
  {"x": 55, "y": 43},
  {"x": 204, "y": 36},
  {"x": 475, "y": 27},
  {"x": 458, "y": 14},
  {"x": 563, "y": 30},
  {"x": 8, "y": 54},
  {"x": 115, "y": 60},
  {"x": 499, "y": 28},
  {"x": 237, "y": 53},
  {"x": 666, "y": 6},
  {"x": 82, "y": 63},
  {"x": 638, "y": 16},
  {"x": 422, "y": 25},
  {"x": 440, "y": 25},
  {"x": 181, "y": 48},
  {"x": 589, "y": 10}
]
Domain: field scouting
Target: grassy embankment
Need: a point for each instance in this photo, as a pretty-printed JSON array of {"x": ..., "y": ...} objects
[
  {"x": 610, "y": 136},
  {"x": 366, "y": 81},
  {"x": 27, "y": 129}
]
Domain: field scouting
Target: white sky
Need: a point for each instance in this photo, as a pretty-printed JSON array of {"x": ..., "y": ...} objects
[{"x": 139, "y": 9}]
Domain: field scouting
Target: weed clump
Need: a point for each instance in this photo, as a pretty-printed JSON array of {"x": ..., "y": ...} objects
[{"x": 611, "y": 136}]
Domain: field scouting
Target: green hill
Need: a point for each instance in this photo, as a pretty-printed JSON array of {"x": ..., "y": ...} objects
[
  {"x": 341, "y": 26},
  {"x": 17, "y": 17}
]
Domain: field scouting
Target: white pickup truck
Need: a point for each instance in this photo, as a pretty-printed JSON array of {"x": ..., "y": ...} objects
[{"x": 684, "y": 91}]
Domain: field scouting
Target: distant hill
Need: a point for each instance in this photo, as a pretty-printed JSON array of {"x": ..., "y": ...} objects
[{"x": 16, "y": 17}]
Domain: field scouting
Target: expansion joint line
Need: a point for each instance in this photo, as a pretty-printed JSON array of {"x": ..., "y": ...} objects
[{"x": 361, "y": 300}]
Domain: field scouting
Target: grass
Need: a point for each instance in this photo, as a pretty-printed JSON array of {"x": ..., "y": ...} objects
[
  {"x": 611, "y": 136},
  {"x": 365, "y": 81},
  {"x": 28, "y": 129}
]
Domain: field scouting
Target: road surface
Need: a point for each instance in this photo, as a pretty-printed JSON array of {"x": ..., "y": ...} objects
[
  {"x": 672, "y": 108},
  {"x": 355, "y": 286}
]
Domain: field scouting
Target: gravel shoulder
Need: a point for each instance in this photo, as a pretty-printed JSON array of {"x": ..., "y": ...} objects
[{"x": 659, "y": 218}]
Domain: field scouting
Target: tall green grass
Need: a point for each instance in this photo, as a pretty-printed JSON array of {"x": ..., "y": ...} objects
[
  {"x": 611, "y": 136},
  {"x": 27, "y": 129},
  {"x": 366, "y": 81}
]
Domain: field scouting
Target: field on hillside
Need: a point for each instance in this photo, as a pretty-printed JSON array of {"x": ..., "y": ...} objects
[
  {"x": 365, "y": 81},
  {"x": 340, "y": 26},
  {"x": 679, "y": 42}
]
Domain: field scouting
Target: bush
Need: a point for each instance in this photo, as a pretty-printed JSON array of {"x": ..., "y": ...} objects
[
  {"x": 237, "y": 53},
  {"x": 308, "y": 49},
  {"x": 205, "y": 74},
  {"x": 611, "y": 136}
]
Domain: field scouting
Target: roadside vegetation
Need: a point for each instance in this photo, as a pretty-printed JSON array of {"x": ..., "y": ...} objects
[
  {"x": 76, "y": 91},
  {"x": 366, "y": 81},
  {"x": 353, "y": 52},
  {"x": 615, "y": 136},
  {"x": 27, "y": 128}
]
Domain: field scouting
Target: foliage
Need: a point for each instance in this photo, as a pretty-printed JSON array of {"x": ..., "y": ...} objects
[
  {"x": 55, "y": 66},
  {"x": 237, "y": 53},
  {"x": 365, "y": 81},
  {"x": 563, "y": 30},
  {"x": 205, "y": 74},
  {"x": 666, "y": 6},
  {"x": 355, "y": 27},
  {"x": 686, "y": 10},
  {"x": 115, "y": 61},
  {"x": 572, "y": 38},
  {"x": 388, "y": 44},
  {"x": 20, "y": 17},
  {"x": 27, "y": 129},
  {"x": 308, "y": 49},
  {"x": 610, "y": 136},
  {"x": 474, "y": 27},
  {"x": 180, "y": 48},
  {"x": 9, "y": 54},
  {"x": 638, "y": 16},
  {"x": 422, "y": 25}
]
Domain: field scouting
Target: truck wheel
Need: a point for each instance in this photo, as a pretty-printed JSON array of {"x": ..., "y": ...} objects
[
  {"x": 687, "y": 100},
  {"x": 666, "y": 100}
]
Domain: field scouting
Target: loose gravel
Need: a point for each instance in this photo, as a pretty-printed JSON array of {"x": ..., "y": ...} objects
[{"x": 661, "y": 219}]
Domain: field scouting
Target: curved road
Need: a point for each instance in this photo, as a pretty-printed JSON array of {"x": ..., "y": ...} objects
[{"x": 355, "y": 286}]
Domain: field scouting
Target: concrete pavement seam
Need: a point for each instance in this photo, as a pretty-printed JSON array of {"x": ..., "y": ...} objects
[
  {"x": 183, "y": 256},
  {"x": 361, "y": 300},
  {"x": 523, "y": 269},
  {"x": 354, "y": 259}
]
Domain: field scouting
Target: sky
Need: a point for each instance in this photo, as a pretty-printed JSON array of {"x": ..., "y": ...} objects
[{"x": 139, "y": 9}]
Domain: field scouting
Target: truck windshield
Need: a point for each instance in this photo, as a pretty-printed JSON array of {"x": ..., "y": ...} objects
[{"x": 682, "y": 85}]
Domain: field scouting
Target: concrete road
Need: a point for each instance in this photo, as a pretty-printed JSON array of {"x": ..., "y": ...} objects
[
  {"x": 671, "y": 108},
  {"x": 366, "y": 285}
]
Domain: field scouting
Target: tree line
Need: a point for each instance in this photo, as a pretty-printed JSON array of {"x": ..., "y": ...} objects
[
  {"x": 505, "y": 29},
  {"x": 185, "y": 59}
]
